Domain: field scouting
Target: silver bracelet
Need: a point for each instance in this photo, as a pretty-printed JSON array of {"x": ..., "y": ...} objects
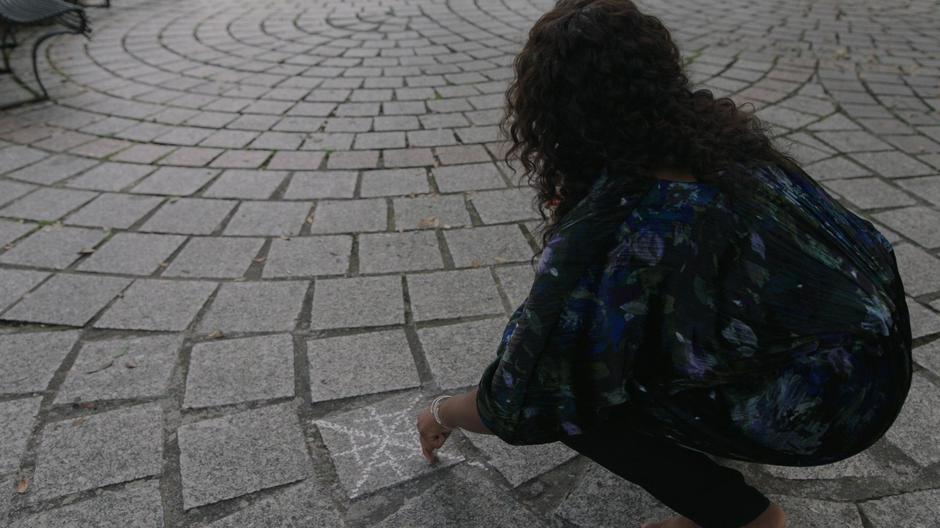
[{"x": 436, "y": 410}]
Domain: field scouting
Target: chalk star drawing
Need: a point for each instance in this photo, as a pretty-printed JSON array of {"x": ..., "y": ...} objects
[{"x": 377, "y": 446}]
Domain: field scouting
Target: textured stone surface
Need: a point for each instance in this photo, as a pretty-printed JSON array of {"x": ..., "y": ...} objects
[
  {"x": 17, "y": 417},
  {"x": 303, "y": 505},
  {"x": 136, "y": 505},
  {"x": 914, "y": 429},
  {"x": 133, "y": 253},
  {"x": 240, "y": 370},
  {"x": 376, "y": 446},
  {"x": 255, "y": 307},
  {"x": 367, "y": 301},
  {"x": 114, "y": 211},
  {"x": 928, "y": 356},
  {"x": 519, "y": 464},
  {"x": 30, "y": 359},
  {"x": 354, "y": 365},
  {"x": 97, "y": 450},
  {"x": 222, "y": 258},
  {"x": 480, "y": 246},
  {"x": 70, "y": 300},
  {"x": 53, "y": 247},
  {"x": 227, "y": 457},
  {"x": 457, "y": 354},
  {"x": 308, "y": 256},
  {"x": 157, "y": 305},
  {"x": 602, "y": 499},
  {"x": 818, "y": 513},
  {"x": 388, "y": 252},
  {"x": 117, "y": 369},
  {"x": 14, "y": 283},
  {"x": 448, "y": 294},
  {"x": 920, "y": 509}
]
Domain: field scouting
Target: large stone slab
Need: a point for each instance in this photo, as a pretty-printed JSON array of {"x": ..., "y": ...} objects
[
  {"x": 10, "y": 231},
  {"x": 811, "y": 513},
  {"x": 14, "y": 283},
  {"x": 357, "y": 302},
  {"x": 519, "y": 464},
  {"x": 234, "y": 455},
  {"x": 450, "y": 294},
  {"x": 152, "y": 304},
  {"x": 479, "y": 246},
  {"x": 377, "y": 446},
  {"x": 136, "y": 505},
  {"x": 928, "y": 356},
  {"x": 341, "y": 367},
  {"x": 47, "y": 204},
  {"x": 190, "y": 216},
  {"x": 240, "y": 370},
  {"x": 223, "y": 258},
  {"x": 859, "y": 466},
  {"x": 97, "y": 450},
  {"x": 304, "y": 505},
  {"x": 388, "y": 252},
  {"x": 17, "y": 418},
  {"x": 113, "y": 210},
  {"x": 458, "y": 354},
  {"x": 70, "y": 300},
  {"x": 255, "y": 307},
  {"x": 53, "y": 247},
  {"x": 919, "y": 509},
  {"x": 133, "y": 253},
  {"x": 30, "y": 360},
  {"x": 308, "y": 256},
  {"x": 916, "y": 427},
  {"x": 118, "y": 369},
  {"x": 603, "y": 500},
  {"x": 268, "y": 218}
]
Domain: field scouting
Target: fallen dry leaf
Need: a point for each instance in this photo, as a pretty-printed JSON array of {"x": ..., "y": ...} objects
[
  {"x": 22, "y": 486},
  {"x": 475, "y": 264},
  {"x": 86, "y": 251},
  {"x": 216, "y": 334},
  {"x": 79, "y": 421},
  {"x": 130, "y": 365},
  {"x": 429, "y": 222}
]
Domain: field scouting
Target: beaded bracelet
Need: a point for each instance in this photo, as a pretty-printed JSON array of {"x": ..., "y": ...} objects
[{"x": 436, "y": 410}]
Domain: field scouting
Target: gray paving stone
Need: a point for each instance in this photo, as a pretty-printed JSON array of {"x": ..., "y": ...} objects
[
  {"x": 175, "y": 181},
  {"x": 863, "y": 465},
  {"x": 17, "y": 417},
  {"x": 919, "y": 509},
  {"x": 97, "y": 450},
  {"x": 921, "y": 224},
  {"x": 151, "y": 304},
  {"x": 394, "y": 182},
  {"x": 308, "y": 256},
  {"x": 12, "y": 158},
  {"x": 237, "y": 454},
  {"x": 516, "y": 281},
  {"x": 70, "y": 300},
  {"x": 240, "y": 370},
  {"x": 870, "y": 193},
  {"x": 429, "y": 212},
  {"x": 47, "y": 204},
  {"x": 387, "y": 252},
  {"x": 504, "y": 205},
  {"x": 852, "y": 141},
  {"x": 136, "y": 505},
  {"x": 357, "y": 302},
  {"x": 304, "y": 505},
  {"x": 920, "y": 271},
  {"x": 111, "y": 176},
  {"x": 914, "y": 429},
  {"x": 813, "y": 513},
  {"x": 465, "y": 502},
  {"x": 10, "y": 190},
  {"x": 11, "y": 230},
  {"x": 119, "y": 369},
  {"x": 354, "y": 365},
  {"x": 924, "y": 321},
  {"x": 893, "y": 164},
  {"x": 53, "y": 169},
  {"x": 836, "y": 168},
  {"x": 223, "y": 258},
  {"x": 53, "y": 247},
  {"x": 190, "y": 216},
  {"x": 927, "y": 188},
  {"x": 245, "y": 184},
  {"x": 14, "y": 283},
  {"x": 478, "y": 246},
  {"x": 519, "y": 464},
  {"x": 268, "y": 218},
  {"x": 458, "y": 178},
  {"x": 133, "y": 253},
  {"x": 350, "y": 216},
  {"x": 255, "y": 307},
  {"x": 449, "y": 294},
  {"x": 376, "y": 446},
  {"x": 602, "y": 499},
  {"x": 114, "y": 210},
  {"x": 458, "y": 354},
  {"x": 928, "y": 356},
  {"x": 321, "y": 184},
  {"x": 31, "y": 359}
]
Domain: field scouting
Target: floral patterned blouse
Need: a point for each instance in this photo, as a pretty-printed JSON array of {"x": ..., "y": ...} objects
[{"x": 769, "y": 328}]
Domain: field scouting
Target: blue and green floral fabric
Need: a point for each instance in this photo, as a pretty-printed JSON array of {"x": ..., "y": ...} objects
[{"x": 769, "y": 326}]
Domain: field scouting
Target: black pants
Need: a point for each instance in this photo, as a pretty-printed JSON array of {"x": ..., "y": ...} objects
[{"x": 687, "y": 481}]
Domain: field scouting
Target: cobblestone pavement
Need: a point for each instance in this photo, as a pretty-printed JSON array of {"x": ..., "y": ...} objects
[{"x": 249, "y": 239}]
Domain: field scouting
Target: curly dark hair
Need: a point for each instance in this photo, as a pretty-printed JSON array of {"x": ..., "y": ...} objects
[{"x": 599, "y": 84}]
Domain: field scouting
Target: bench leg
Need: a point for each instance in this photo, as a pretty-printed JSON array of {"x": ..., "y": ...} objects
[
  {"x": 39, "y": 41},
  {"x": 5, "y": 48}
]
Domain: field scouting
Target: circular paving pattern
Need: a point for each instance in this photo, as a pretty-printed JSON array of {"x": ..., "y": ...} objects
[{"x": 247, "y": 241}]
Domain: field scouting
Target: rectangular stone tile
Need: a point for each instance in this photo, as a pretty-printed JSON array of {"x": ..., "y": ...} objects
[
  {"x": 304, "y": 505},
  {"x": 476, "y": 176},
  {"x": 321, "y": 184},
  {"x": 15, "y": 283},
  {"x": 603, "y": 500},
  {"x": 308, "y": 256},
  {"x": 852, "y": 141},
  {"x": 919, "y": 509},
  {"x": 53, "y": 169},
  {"x": 409, "y": 157},
  {"x": 350, "y": 216},
  {"x": 133, "y": 253},
  {"x": 450, "y": 294},
  {"x": 458, "y": 354},
  {"x": 387, "y": 252},
  {"x": 30, "y": 359},
  {"x": 812, "y": 512},
  {"x": 357, "y": 302},
  {"x": 296, "y": 160},
  {"x": 175, "y": 181},
  {"x": 504, "y": 205},
  {"x": 190, "y": 216},
  {"x": 224, "y": 258},
  {"x": 137, "y": 504},
  {"x": 375, "y": 446},
  {"x": 927, "y": 188},
  {"x": 47, "y": 204},
  {"x": 98, "y": 450},
  {"x": 893, "y": 164},
  {"x": 151, "y": 304},
  {"x": 923, "y": 320},
  {"x": 53, "y": 247},
  {"x": 268, "y": 218},
  {"x": 231, "y": 456},
  {"x": 359, "y": 159},
  {"x": 869, "y": 193},
  {"x": 111, "y": 176},
  {"x": 915, "y": 429},
  {"x": 246, "y": 184},
  {"x": 394, "y": 182},
  {"x": 921, "y": 224},
  {"x": 114, "y": 211},
  {"x": 520, "y": 464},
  {"x": 255, "y": 307},
  {"x": 17, "y": 417},
  {"x": 12, "y": 158},
  {"x": 70, "y": 300},
  {"x": 928, "y": 356},
  {"x": 431, "y": 212},
  {"x": 11, "y": 190},
  {"x": 516, "y": 282},
  {"x": 119, "y": 369},
  {"x": 862, "y": 465},
  {"x": 836, "y": 168},
  {"x": 478, "y": 246},
  {"x": 920, "y": 271},
  {"x": 12, "y": 230},
  {"x": 342, "y": 367},
  {"x": 240, "y": 370}
]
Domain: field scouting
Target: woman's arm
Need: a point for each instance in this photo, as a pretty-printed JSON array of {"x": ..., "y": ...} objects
[{"x": 458, "y": 411}]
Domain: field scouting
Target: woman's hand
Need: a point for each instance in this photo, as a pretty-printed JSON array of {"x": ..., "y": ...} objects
[{"x": 433, "y": 435}]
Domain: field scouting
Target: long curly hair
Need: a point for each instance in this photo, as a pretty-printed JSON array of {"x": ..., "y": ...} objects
[{"x": 599, "y": 84}]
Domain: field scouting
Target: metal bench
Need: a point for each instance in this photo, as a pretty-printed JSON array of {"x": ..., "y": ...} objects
[{"x": 22, "y": 13}]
